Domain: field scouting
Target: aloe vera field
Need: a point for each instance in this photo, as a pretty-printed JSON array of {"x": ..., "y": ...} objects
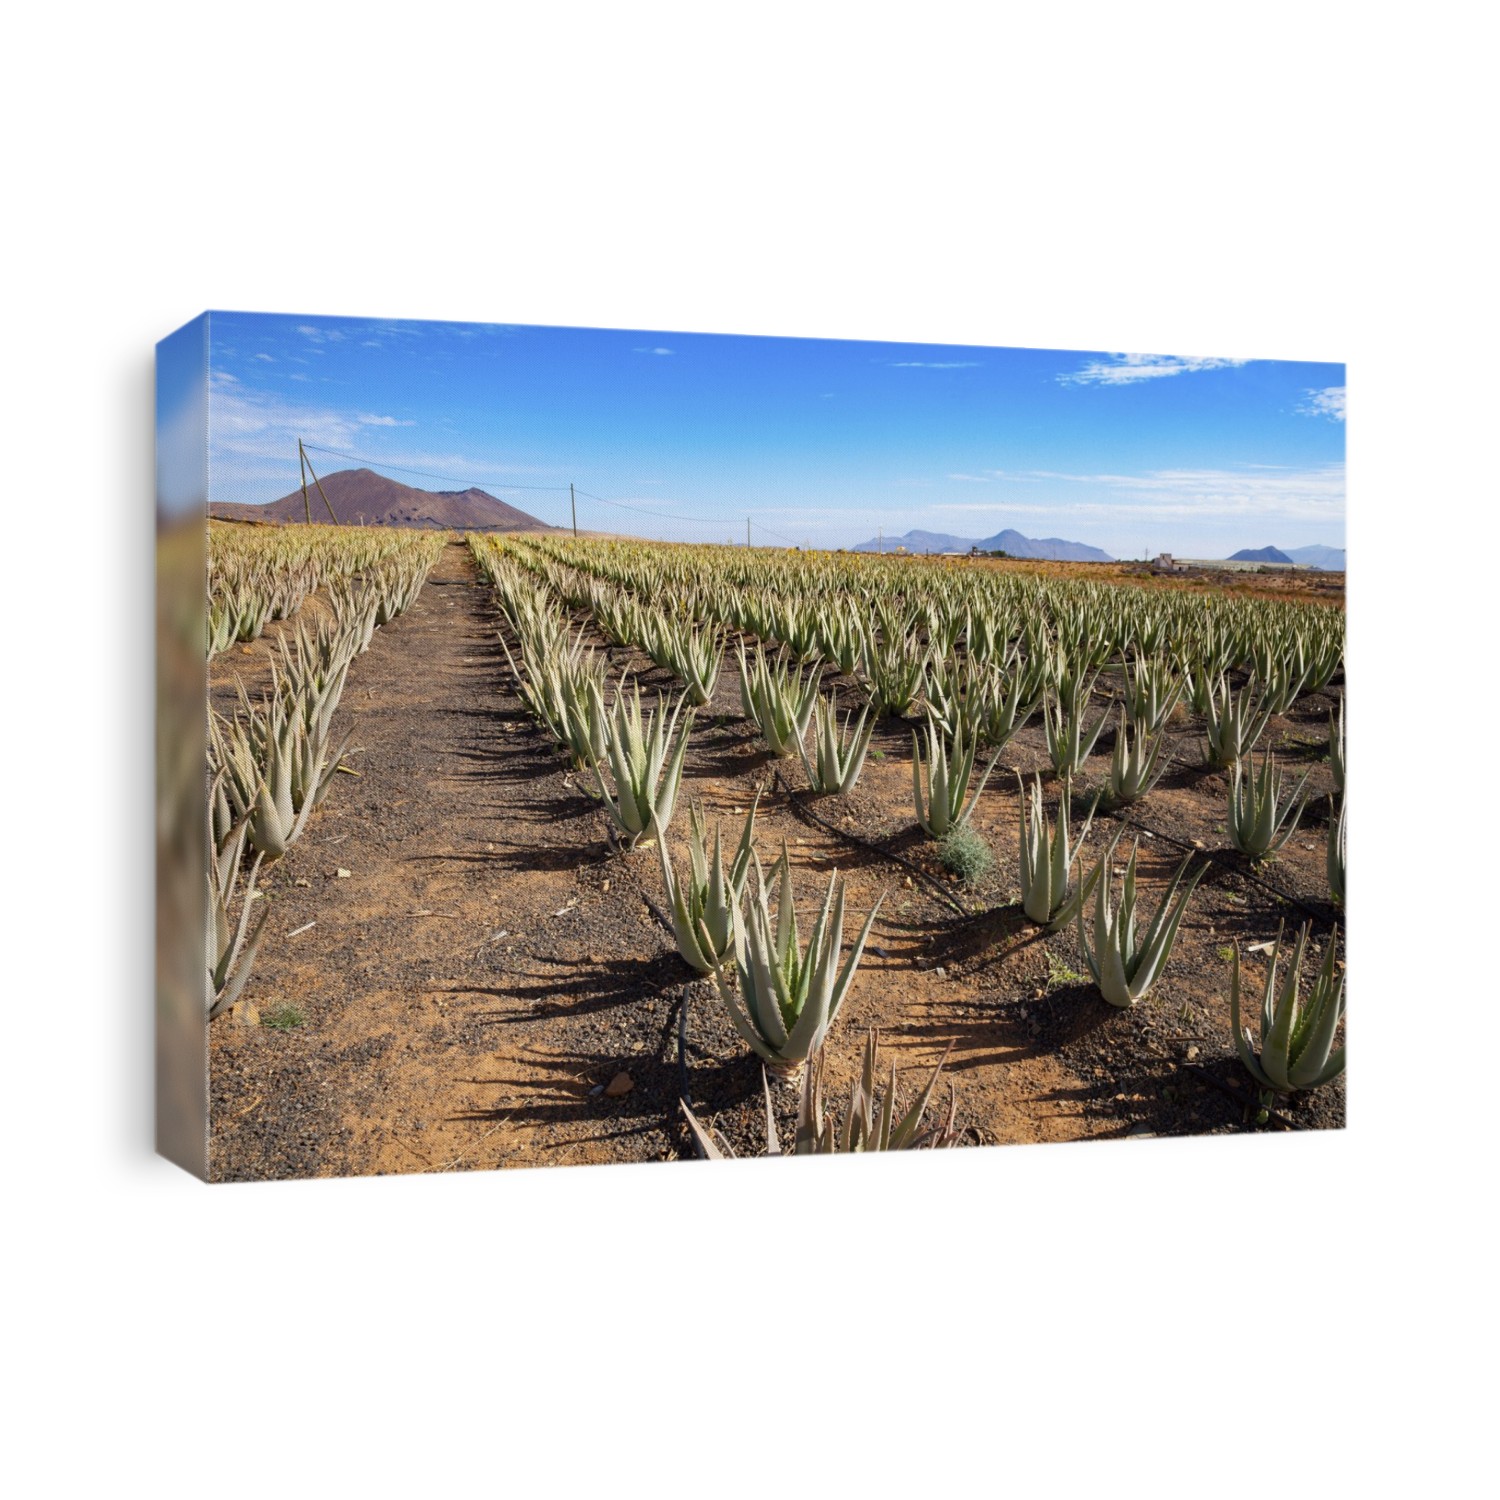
[{"x": 534, "y": 849}]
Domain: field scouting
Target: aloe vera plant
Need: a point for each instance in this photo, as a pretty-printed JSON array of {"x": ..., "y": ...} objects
[
  {"x": 871, "y": 1123},
  {"x": 1258, "y": 824},
  {"x": 893, "y": 667},
  {"x": 1152, "y": 691},
  {"x": 555, "y": 683},
  {"x": 1337, "y": 842},
  {"x": 795, "y": 624},
  {"x": 1125, "y": 969},
  {"x": 838, "y": 754},
  {"x": 231, "y": 945},
  {"x": 703, "y": 904},
  {"x": 693, "y": 656},
  {"x": 840, "y": 638},
  {"x": 310, "y": 690},
  {"x": 248, "y": 608},
  {"x": 314, "y": 661},
  {"x": 1198, "y": 679},
  {"x": 778, "y": 698},
  {"x": 1336, "y": 745},
  {"x": 947, "y": 802},
  {"x": 1325, "y": 658},
  {"x": 619, "y": 616},
  {"x": 355, "y": 608},
  {"x": 277, "y": 771},
  {"x": 397, "y": 585},
  {"x": 637, "y": 747},
  {"x": 955, "y": 690},
  {"x": 1008, "y": 699},
  {"x": 1068, "y": 743},
  {"x": 220, "y": 624},
  {"x": 1135, "y": 769},
  {"x": 781, "y": 997},
  {"x": 1279, "y": 683},
  {"x": 1296, "y": 1039},
  {"x": 1047, "y": 859},
  {"x": 1233, "y": 724}
]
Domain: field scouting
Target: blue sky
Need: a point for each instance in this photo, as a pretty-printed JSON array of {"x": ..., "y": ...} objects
[{"x": 817, "y": 440}]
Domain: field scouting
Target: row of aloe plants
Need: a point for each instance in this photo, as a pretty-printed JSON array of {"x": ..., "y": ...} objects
[
  {"x": 906, "y": 619},
  {"x": 782, "y": 699},
  {"x": 979, "y": 700},
  {"x": 257, "y": 574},
  {"x": 272, "y": 762}
]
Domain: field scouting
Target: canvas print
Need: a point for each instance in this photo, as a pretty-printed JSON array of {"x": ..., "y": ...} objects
[{"x": 637, "y": 746}]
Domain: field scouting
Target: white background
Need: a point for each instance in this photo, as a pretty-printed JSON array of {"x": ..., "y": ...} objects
[{"x": 1230, "y": 1316}]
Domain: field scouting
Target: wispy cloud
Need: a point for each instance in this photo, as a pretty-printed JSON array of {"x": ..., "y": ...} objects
[
  {"x": 1261, "y": 492},
  {"x": 651, "y": 351},
  {"x": 1125, "y": 369},
  {"x": 270, "y": 359},
  {"x": 934, "y": 364},
  {"x": 1329, "y": 402},
  {"x": 971, "y": 478},
  {"x": 253, "y": 433}
]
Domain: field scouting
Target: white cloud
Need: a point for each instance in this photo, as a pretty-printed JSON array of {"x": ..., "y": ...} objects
[
  {"x": 1259, "y": 492},
  {"x": 1125, "y": 369},
  {"x": 934, "y": 364},
  {"x": 971, "y": 478},
  {"x": 651, "y": 351},
  {"x": 1329, "y": 402},
  {"x": 255, "y": 432},
  {"x": 270, "y": 359}
]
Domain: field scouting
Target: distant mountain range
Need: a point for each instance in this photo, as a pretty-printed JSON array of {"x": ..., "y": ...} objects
[
  {"x": 361, "y": 497},
  {"x": 1327, "y": 559},
  {"x": 1050, "y": 549},
  {"x": 1324, "y": 559}
]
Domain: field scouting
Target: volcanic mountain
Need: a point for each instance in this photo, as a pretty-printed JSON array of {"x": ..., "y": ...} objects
[{"x": 361, "y": 497}]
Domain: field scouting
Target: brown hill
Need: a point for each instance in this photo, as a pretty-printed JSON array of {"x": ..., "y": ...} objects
[{"x": 363, "y": 497}]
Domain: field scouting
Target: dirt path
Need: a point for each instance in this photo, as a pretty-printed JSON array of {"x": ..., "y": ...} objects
[
  {"x": 407, "y": 1045},
  {"x": 488, "y": 965}
]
